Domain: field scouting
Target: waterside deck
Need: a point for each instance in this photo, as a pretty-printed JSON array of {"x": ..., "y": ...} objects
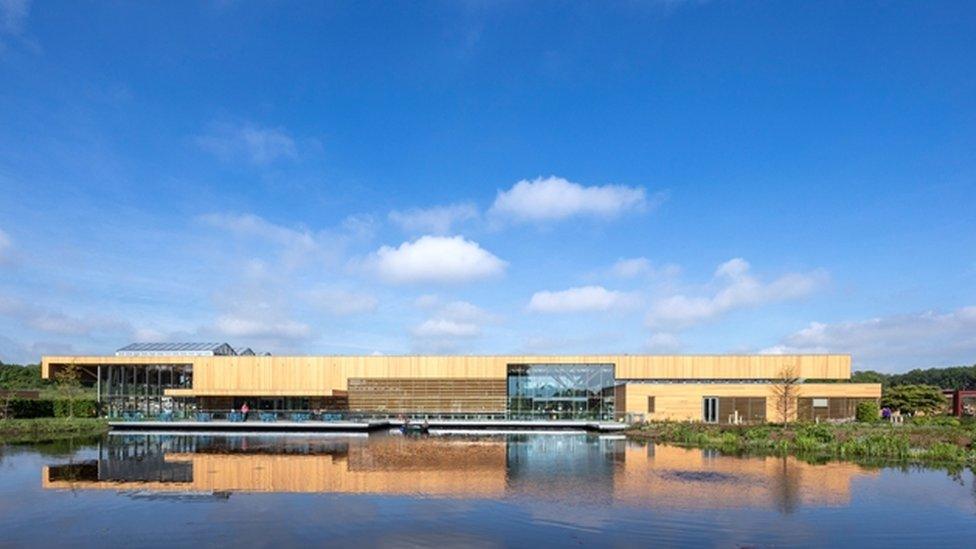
[{"x": 365, "y": 425}]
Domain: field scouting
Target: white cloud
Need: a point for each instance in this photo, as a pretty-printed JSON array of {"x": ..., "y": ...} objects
[
  {"x": 341, "y": 302},
  {"x": 435, "y": 259},
  {"x": 250, "y": 225},
  {"x": 734, "y": 288},
  {"x": 582, "y": 299},
  {"x": 438, "y": 220},
  {"x": 295, "y": 246},
  {"x": 663, "y": 342},
  {"x": 442, "y": 327},
  {"x": 253, "y": 144},
  {"x": 448, "y": 324},
  {"x": 892, "y": 343},
  {"x": 56, "y": 322},
  {"x": 631, "y": 268},
  {"x": 554, "y": 198},
  {"x": 260, "y": 328}
]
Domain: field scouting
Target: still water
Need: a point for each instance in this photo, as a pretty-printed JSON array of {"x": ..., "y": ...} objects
[{"x": 523, "y": 490}]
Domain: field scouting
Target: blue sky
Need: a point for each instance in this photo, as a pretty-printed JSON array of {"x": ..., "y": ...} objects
[{"x": 468, "y": 177}]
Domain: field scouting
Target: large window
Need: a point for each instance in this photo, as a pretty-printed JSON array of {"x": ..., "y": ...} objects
[{"x": 560, "y": 391}]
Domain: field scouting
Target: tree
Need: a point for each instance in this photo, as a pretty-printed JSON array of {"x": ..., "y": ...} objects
[
  {"x": 786, "y": 389},
  {"x": 68, "y": 379},
  {"x": 912, "y": 399}
]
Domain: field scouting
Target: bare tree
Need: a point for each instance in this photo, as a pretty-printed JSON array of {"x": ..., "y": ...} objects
[
  {"x": 786, "y": 389},
  {"x": 68, "y": 379}
]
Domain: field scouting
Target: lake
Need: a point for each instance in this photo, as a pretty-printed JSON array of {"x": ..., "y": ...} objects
[{"x": 472, "y": 490}]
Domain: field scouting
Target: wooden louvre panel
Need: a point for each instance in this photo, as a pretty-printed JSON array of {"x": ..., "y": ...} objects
[
  {"x": 650, "y": 405},
  {"x": 749, "y": 409},
  {"x": 427, "y": 395},
  {"x": 837, "y": 408}
]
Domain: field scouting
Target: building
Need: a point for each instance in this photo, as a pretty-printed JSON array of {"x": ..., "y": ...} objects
[{"x": 212, "y": 377}]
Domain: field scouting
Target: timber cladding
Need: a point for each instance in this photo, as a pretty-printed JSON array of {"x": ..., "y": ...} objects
[
  {"x": 326, "y": 375},
  {"x": 403, "y": 395},
  {"x": 683, "y": 401}
]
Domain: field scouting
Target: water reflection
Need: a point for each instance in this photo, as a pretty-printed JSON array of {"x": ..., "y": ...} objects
[{"x": 549, "y": 468}]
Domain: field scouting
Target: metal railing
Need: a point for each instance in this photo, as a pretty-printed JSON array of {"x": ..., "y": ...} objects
[{"x": 269, "y": 416}]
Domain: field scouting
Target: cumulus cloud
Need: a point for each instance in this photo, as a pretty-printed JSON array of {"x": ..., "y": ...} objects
[
  {"x": 582, "y": 299},
  {"x": 892, "y": 343},
  {"x": 253, "y": 144},
  {"x": 438, "y": 220},
  {"x": 449, "y": 324},
  {"x": 733, "y": 288},
  {"x": 342, "y": 302},
  {"x": 554, "y": 198},
  {"x": 435, "y": 259}
]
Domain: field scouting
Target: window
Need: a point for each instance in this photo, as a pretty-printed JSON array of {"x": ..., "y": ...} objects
[
  {"x": 820, "y": 403},
  {"x": 650, "y": 405}
]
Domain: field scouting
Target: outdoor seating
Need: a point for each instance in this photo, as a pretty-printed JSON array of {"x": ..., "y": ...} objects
[
  {"x": 203, "y": 416},
  {"x": 269, "y": 416},
  {"x": 165, "y": 416},
  {"x": 300, "y": 416},
  {"x": 235, "y": 417}
]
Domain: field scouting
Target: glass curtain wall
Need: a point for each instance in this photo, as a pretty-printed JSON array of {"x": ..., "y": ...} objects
[
  {"x": 560, "y": 391},
  {"x": 127, "y": 390}
]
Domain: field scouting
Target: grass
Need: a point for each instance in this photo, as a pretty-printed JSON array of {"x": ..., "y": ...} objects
[
  {"x": 18, "y": 431},
  {"x": 931, "y": 442}
]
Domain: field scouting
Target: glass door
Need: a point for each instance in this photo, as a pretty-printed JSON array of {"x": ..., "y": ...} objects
[{"x": 710, "y": 409}]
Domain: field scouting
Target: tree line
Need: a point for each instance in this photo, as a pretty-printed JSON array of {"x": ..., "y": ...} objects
[{"x": 955, "y": 377}]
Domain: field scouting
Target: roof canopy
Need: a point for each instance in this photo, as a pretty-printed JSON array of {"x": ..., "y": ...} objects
[{"x": 176, "y": 349}]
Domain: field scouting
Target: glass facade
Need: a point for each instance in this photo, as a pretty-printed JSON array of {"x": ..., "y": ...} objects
[{"x": 560, "y": 391}]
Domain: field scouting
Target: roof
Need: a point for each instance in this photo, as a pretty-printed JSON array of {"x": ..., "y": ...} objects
[{"x": 181, "y": 349}]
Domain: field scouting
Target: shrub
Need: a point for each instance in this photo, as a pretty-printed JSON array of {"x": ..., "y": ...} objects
[
  {"x": 817, "y": 431},
  {"x": 806, "y": 443},
  {"x": 944, "y": 451},
  {"x": 80, "y": 408},
  {"x": 867, "y": 411},
  {"x": 940, "y": 421},
  {"x": 758, "y": 433},
  {"x": 25, "y": 408}
]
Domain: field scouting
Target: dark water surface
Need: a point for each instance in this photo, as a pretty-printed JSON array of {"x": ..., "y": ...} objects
[{"x": 526, "y": 490}]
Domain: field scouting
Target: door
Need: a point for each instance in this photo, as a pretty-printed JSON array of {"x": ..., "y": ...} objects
[{"x": 710, "y": 409}]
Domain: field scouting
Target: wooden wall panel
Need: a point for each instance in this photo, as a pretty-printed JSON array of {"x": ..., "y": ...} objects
[
  {"x": 324, "y": 375},
  {"x": 683, "y": 401}
]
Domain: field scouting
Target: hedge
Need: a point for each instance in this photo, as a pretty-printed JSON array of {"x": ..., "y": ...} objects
[
  {"x": 24, "y": 408},
  {"x": 867, "y": 411}
]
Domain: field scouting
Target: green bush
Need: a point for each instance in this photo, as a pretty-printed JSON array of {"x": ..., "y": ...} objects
[
  {"x": 817, "y": 431},
  {"x": 940, "y": 421},
  {"x": 26, "y": 408},
  {"x": 79, "y": 407},
  {"x": 758, "y": 433},
  {"x": 944, "y": 451},
  {"x": 867, "y": 411}
]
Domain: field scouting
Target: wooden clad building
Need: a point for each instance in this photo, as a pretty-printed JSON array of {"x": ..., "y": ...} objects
[{"x": 714, "y": 388}]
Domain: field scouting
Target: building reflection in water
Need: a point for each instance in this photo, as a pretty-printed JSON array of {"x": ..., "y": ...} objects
[{"x": 571, "y": 468}]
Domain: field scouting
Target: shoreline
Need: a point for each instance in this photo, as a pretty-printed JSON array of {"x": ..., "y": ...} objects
[
  {"x": 858, "y": 442},
  {"x": 50, "y": 429}
]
